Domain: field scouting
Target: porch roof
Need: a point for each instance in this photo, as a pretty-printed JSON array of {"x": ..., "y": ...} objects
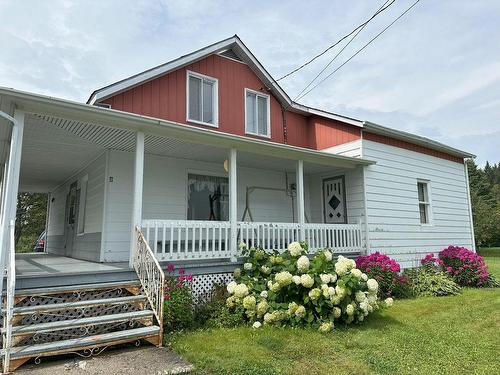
[{"x": 62, "y": 136}]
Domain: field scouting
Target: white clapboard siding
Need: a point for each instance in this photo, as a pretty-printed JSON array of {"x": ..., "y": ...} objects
[
  {"x": 352, "y": 149},
  {"x": 392, "y": 203}
]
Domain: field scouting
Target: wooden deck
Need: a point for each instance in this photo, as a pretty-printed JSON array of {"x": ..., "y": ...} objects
[{"x": 35, "y": 270}]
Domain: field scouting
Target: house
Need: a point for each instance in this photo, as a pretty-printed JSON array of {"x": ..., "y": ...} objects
[{"x": 181, "y": 163}]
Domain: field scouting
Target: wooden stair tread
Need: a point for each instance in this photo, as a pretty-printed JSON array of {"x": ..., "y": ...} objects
[
  {"x": 77, "y": 304},
  {"x": 82, "y": 343},
  {"x": 80, "y": 322},
  {"x": 71, "y": 288}
]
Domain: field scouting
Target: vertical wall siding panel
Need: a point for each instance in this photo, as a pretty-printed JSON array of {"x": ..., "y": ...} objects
[{"x": 325, "y": 133}]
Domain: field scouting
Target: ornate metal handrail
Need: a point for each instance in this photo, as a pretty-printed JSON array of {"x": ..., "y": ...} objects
[
  {"x": 151, "y": 276},
  {"x": 9, "y": 304}
]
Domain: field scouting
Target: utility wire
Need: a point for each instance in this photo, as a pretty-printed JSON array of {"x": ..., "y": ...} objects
[
  {"x": 335, "y": 44},
  {"x": 380, "y": 10},
  {"x": 358, "y": 51}
]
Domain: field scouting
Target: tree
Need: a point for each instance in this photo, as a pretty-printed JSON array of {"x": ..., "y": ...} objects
[{"x": 30, "y": 220}]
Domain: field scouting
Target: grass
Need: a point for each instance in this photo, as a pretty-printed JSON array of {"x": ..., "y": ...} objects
[{"x": 433, "y": 335}]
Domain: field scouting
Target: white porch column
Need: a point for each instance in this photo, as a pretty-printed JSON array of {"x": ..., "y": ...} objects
[
  {"x": 11, "y": 181},
  {"x": 138, "y": 188},
  {"x": 233, "y": 203},
  {"x": 299, "y": 176}
]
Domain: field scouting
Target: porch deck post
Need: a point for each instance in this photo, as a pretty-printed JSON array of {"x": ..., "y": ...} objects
[
  {"x": 233, "y": 206},
  {"x": 138, "y": 188},
  {"x": 299, "y": 175}
]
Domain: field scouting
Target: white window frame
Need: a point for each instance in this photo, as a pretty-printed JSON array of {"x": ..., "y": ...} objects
[
  {"x": 427, "y": 203},
  {"x": 268, "y": 98},
  {"x": 215, "y": 108},
  {"x": 82, "y": 206}
]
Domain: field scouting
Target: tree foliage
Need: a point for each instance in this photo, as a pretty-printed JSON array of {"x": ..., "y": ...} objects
[
  {"x": 30, "y": 220},
  {"x": 485, "y": 199}
]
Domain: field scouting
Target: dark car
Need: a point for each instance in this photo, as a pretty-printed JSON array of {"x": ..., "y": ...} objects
[{"x": 40, "y": 244}]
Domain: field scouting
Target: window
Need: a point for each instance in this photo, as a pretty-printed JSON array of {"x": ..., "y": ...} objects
[
  {"x": 202, "y": 99},
  {"x": 257, "y": 120},
  {"x": 208, "y": 198},
  {"x": 82, "y": 204},
  {"x": 423, "y": 202}
]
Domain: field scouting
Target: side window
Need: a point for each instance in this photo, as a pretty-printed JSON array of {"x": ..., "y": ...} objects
[
  {"x": 82, "y": 206},
  {"x": 257, "y": 116},
  {"x": 208, "y": 198},
  {"x": 202, "y": 99},
  {"x": 424, "y": 204}
]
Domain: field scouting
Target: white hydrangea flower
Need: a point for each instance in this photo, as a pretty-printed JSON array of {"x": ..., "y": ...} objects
[
  {"x": 306, "y": 280},
  {"x": 325, "y": 278},
  {"x": 340, "y": 268},
  {"x": 314, "y": 294},
  {"x": 333, "y": 277},
  {"x": 292, "y": 308},
  {"x": 372, "y": 285},
  {"x": 356, "y": 273},
  {"x": 231, "y": 301},
  {"x": 364, "y": 306},
  {"x": 249, "y": 302},
  {"x": 324, "y": 290},
  {"x": 300, "y": 312},
  {"x": 230, "y": 287},
  {"x": 269, "y": 284},
  {"x": 295, "y": 249},
  {"x": 364, "y": 276},
  {"x": 337, "y": 312},
  {"x": 389, "y": 301},
  {"x": 335, "y": 299},
  {"x": 328, "y": 255},
  {"x": 360, "y": 296},
  {"x": 268, "y": 318},
  {"x": 283, "y": 278},
  {"x": 248, "y": 266},
  {"x": 257, "y": 325},
  {"x": 263, "y": 294},
  {"x": 303, "y": 263},
  {"x": 331, "y": 291},
  {"x": 240, "y": 290},
  {"x": 275, "y": 287},
  {"x": 237, "y": 272},
  {"x": 344, "y": 265},
  {"x": 340, "y": 291},
  {"x": 349, "y": 310},
  {"x": 361, "y": 318},
  {"x": 265, "y": 270},
  {"x": 326, "y": 327},
  {"x": 262, "y": 308},
  {"x": 296, "y": 279}
]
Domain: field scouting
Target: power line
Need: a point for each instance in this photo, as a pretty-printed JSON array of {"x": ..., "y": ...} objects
[
  {"x": 335, "y": 44},
  {"x": 358, "y": 51},
  {"x": 380, "y": 10}
]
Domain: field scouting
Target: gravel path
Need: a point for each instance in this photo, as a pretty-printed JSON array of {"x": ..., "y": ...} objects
[{"x": 122, "y": 360}]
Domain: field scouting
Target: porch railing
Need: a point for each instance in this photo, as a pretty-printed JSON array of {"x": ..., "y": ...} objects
[
  {"x": 9, "y": 299},
  {"x": 151, "y": 276},
  {"x": 190, "y": 239}
]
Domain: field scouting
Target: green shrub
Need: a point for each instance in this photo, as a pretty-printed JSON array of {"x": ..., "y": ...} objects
[
  {"x": 178, "y": 309},
  {"x": 215, "y": 313},
  {"x": 430, "y": 281},
  {"x": 291, "y": 288}
]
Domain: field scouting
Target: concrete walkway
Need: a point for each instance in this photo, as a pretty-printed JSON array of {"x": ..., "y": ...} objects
[{"x": 122, "y": 360}]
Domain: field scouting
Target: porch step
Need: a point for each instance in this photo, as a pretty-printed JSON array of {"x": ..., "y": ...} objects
[
  {"x": 70, "y": 288},
  {"x": 27, "y": 310},
  {"x": 64, "y": 346},
  {"x": 81, "y": 322}
]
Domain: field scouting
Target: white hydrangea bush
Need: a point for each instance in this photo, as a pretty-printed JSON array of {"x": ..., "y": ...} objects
[{"x": 294, "y": 289}]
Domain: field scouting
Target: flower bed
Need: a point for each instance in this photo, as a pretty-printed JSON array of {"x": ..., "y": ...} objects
[{"x": 292, "y": 289}]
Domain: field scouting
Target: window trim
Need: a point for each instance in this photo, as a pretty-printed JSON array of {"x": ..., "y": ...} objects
[
  {"x": 427, "y": 203},
  {"x": 82, "y": 206},
  {"x": 268, "y": 99},
  {"x": 190, "y": 73}
]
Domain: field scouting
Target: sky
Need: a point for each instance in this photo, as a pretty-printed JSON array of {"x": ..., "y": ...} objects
[{"x": 436, "y": 72}]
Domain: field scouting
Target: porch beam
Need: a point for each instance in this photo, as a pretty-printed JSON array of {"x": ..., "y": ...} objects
[
  {"x": 138, "y": 190},
  {"x": 233, "y": 202},
  {"x": 299, "y": 176}
]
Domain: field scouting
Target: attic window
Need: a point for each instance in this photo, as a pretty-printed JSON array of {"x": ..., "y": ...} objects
[
  {"x": 202, "y": 103},
  {"x": 257, "y": 114}
]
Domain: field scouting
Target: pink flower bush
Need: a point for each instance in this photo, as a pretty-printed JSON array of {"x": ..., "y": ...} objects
[
  {"x": 383, "y": 269},
  {"x": 173, "y": 282},
  {"x": 464, "y": 266}
]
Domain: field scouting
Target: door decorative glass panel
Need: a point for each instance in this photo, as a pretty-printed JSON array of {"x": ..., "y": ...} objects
[{"x": 334, "y": 203}]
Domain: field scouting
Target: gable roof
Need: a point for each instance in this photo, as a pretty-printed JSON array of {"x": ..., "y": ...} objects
[{"x": 232, "y": 46}]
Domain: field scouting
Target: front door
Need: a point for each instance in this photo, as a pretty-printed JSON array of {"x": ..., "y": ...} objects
[
  {"x": 334, "y": 203},
  {"x": 71, "y": 208}
]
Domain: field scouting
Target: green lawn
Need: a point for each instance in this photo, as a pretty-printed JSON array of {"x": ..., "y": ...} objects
[{"x": 434, "y": 335}]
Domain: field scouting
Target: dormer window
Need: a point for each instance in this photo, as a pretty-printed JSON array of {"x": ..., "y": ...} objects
[
  {"x": 202, "y": 103},
  {"x": 257, "y": 114}
]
